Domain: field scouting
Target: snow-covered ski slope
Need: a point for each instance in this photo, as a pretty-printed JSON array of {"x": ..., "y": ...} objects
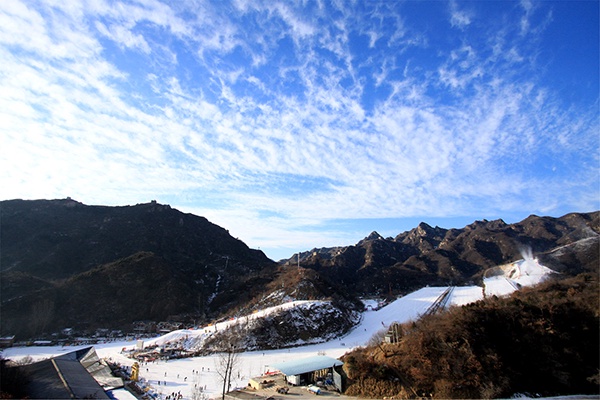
[
  {"x": 193, "y": 338},
  {"x": 505, "y": 280},
  {"x": 182, "y": 375}
]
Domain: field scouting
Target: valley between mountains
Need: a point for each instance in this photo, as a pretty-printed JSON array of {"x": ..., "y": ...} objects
[
  {"x": 150, "y": 262},
  {"x": 148, "y": 271}
]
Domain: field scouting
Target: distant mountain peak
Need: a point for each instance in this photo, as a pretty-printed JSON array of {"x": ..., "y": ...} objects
[
  {"x": 424, "y": 225},
  {"x": 424, "y": 229},
  {"x": 372, "y": 236}
]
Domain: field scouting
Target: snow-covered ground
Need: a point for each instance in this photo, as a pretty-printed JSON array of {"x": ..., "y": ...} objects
[
  {"x": 183, "y": 375},
  {"x": 526, "y": 272},
  {"x": 194, "y": 338}
]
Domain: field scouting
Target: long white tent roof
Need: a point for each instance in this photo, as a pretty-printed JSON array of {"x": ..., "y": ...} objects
[{"x": 304, "y": 365}]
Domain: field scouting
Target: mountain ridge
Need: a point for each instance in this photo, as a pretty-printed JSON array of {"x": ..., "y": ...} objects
[
  {"x": 66, "y": 264},
  {"x": 434, "y": 255},
  {"x": 49, "y": 244}
]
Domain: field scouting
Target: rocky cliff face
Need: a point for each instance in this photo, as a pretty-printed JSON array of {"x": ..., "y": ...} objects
[{"x": 434, "y": 255}]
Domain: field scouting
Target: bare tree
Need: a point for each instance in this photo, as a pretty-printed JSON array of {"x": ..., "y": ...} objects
[
  {"x": 227, "y": 361},
  {"x": 377, "y": 338}
]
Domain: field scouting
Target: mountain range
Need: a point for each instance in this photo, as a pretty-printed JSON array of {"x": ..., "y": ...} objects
[
  {"x": 434, "y": 255},
  {"x": 67, "y": 264}
]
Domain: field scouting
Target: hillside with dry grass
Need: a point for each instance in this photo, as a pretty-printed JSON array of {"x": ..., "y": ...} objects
[{"x": 540, "y": 341}]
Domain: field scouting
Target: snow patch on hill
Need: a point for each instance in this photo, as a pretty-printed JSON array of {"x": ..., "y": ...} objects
[
  {"x": 294, "y": 323},
  {"x": 505, "y": 279}
]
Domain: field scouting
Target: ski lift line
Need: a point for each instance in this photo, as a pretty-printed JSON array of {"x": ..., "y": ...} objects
[
  {"x": 448, "y": 296},
  {"x": 441, "y": 301},
  {"x": 513, "y": 284}
]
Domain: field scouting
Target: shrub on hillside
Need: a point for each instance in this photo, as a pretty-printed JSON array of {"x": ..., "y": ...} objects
[{"x": 542, "y": 340}]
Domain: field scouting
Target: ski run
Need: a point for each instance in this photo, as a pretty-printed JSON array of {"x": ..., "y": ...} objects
[{"x": 183, "y": 376}]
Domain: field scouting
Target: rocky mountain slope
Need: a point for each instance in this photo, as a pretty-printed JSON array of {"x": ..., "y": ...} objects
[
  {"x": 434, "y": 255},
  {"x": 59, "y": 238},
  {"x": 66, "y": 264}
]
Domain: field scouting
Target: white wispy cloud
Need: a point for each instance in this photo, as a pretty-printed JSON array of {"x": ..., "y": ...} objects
[
  {"x": 124, "y": 36},
  {"x": 459, "y": 18},
  {"x": 268, "y": 119}
]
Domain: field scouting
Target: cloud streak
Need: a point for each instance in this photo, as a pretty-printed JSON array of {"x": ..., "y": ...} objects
[{"x": 276, "y": 119}]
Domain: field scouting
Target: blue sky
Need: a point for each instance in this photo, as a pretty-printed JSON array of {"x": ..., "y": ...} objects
[{"x": 304, "y": 124}]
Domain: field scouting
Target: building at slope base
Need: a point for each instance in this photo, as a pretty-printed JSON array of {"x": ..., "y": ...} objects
[
  {"x": 316, "y": 369},
  {"x": 80, "y": 374}
]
